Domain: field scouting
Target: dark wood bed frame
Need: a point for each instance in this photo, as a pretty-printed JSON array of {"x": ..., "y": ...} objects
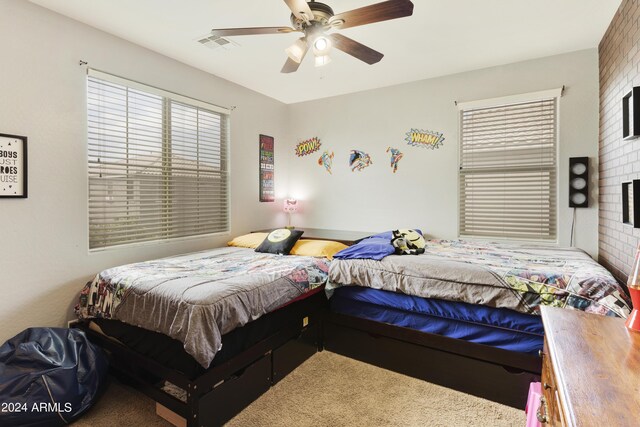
[
  {"x": 492, "y": 373},
  {"x": 223, "y": 391}
]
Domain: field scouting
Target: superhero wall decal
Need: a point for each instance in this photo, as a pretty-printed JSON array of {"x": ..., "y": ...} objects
[
  {"x": 396, "y": 155},
  {"x": 326, "y": 160},
  {"x": 360, "y": 160}
]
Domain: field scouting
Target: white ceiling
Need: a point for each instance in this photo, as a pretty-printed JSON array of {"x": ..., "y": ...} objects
[{"x": 442, "y": 37}]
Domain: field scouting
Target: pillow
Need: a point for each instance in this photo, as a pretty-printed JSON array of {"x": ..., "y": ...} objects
[
  {"x": 251, "y": 240},
  {"x": 279, "y": 241},
  {"x": 369, "y": 248},
  {"x": 408, "y": 242},
  {"x": 389, "y": 234},
  {"x": 318, "y": 248}
]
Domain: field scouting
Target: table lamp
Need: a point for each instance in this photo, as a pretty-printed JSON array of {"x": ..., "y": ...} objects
[
  {"x": 290, "y": 206},
  {"x": 633, "y": 321}
]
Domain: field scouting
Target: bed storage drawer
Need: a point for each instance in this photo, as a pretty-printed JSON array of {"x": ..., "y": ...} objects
[
  {"x": 230, "y": 397},
  {"x": 289, "y": 356},
  {"x": 479, "y": 377}
]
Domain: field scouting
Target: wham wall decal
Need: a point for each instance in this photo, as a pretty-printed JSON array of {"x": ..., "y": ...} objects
[{"x": 424, "y": 138}]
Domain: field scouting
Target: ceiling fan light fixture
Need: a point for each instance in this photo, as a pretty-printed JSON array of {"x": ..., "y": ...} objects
[
  {"x": 296, "y": 51},
  {"x": 321, "y": 45},
  {"x": 322, "y": 60}
]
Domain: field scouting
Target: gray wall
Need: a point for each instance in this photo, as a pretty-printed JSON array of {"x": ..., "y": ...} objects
[
  {"x": 45, "y": 260},
  {"x": 424, "y": 191}
]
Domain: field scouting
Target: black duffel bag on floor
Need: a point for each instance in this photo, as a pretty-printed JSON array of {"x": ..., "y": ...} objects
[{"x": 49, "y": 377}]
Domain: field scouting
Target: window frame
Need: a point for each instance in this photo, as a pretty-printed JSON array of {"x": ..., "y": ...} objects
[
  {"x": 503, "y": 102},
  {"x": 168, "y": 98}
]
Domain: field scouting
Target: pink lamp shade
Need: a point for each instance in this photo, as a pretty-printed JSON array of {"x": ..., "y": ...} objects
[
  {"x": 290, "y": 205},
  {"x": 633, "y": 321}
]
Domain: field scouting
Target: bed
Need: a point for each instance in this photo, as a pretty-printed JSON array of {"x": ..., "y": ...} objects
[
  {"x": 205, "y": 334},
  {"x": 464, "y": 314}
]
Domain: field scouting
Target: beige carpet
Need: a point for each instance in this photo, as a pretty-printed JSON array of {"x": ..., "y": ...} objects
[{"x": 328, "y": 390}]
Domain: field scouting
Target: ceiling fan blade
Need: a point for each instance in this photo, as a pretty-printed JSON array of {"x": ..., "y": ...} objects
[
  {"x": 384, "y": 11},
  {"x": 223, "y": 32},
  {"x": 300, "y": 9},
  {"x": 292, "y": 66},
  {"x": 355, "y": 49}
]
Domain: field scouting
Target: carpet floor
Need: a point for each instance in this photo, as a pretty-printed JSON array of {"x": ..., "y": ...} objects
[{"x": 327, "y": 390}]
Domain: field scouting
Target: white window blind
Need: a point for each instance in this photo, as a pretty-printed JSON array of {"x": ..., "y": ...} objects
[
  {"x": 508, "y": 170},
  {"x": 157, "y": 164}
]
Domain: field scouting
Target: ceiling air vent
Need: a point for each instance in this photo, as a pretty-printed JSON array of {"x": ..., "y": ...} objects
[{"x": 215, "y": 42}]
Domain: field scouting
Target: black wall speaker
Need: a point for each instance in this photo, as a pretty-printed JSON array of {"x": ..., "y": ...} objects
[{"x": 579, "y": 182}]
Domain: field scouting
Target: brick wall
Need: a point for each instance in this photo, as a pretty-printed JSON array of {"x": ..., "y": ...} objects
[{"x": 619, "y": 53}]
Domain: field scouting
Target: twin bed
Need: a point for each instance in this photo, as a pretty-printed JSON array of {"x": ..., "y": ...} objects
[
  {"x": 464, "y": 314},
  {"x": 205, "y": 334}
]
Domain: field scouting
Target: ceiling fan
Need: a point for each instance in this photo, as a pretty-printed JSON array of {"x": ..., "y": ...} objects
[{"x": 315, "y": 19}]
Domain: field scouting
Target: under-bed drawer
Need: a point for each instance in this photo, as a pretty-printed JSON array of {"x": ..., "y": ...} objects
[
  {"x": 289, "y": 356},
  {"x": 466, "y": 374},
  {"x": 230, "y": 397}
]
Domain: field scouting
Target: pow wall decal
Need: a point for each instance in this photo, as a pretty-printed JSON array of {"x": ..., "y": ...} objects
[
  {"x": 359, "y": 160},
  {"x": 396, "y": 155},
  {"x": 308, "y": 146},
  {"x": 326, "y": 160},
  {"x": 424, "y": 138}
]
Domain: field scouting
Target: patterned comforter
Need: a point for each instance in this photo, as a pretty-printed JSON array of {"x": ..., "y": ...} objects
[
  {"x": 517, "y": 277},
  {"x": 196, "y": 298}
]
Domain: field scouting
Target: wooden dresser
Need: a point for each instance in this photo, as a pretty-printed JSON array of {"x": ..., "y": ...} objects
[{"x": 590, "y": 370}]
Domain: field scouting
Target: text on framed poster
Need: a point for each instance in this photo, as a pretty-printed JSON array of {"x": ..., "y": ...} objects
[
  {"x": 13, "y": 166},
  {"x": 267, "y": 189}
]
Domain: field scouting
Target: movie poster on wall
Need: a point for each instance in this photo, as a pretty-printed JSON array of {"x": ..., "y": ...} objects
[
  {"x": 267, "y": 188},
  {"x": 13, "y": 166}
]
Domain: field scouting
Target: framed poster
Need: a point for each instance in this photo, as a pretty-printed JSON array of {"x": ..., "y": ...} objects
[
  {"x": 631, "y": 114},
  {"x": 267, "y": 189},
  {"x": 630, "y": 203},
  {"x": 13, "y": 166}
]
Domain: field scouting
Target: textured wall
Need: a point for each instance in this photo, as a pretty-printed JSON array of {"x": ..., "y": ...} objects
[{"x": 619, "y": 72}]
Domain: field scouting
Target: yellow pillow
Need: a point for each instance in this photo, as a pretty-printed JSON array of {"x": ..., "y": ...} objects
[
  {"x": 317, "y": 248},
  {"x": 251, "y": 240}
]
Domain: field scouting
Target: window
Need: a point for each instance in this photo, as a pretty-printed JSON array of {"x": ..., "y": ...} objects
[
  {"x": 508, "y": 169},
  {"x": 157, "y": 164}
]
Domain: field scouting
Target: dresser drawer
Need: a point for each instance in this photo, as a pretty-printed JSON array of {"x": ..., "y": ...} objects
[{"x": 551, "y": 406}]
